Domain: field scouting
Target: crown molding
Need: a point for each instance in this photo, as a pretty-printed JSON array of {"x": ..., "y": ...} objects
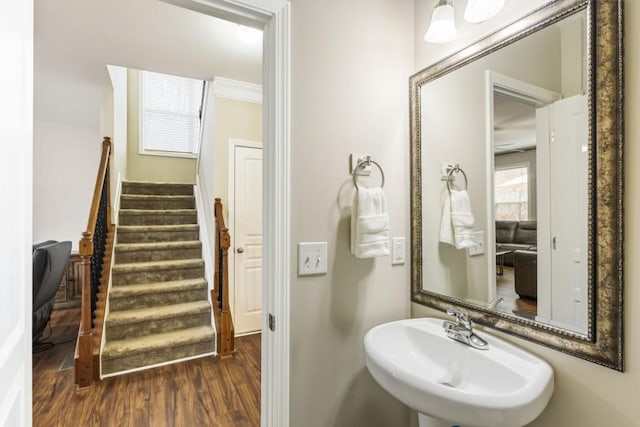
[{"x": 238, "y": 90}]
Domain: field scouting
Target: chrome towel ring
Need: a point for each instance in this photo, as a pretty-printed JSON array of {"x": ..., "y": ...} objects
[
  {"x": 365, "y": 163},
  {"x": 450, "y": 177}
]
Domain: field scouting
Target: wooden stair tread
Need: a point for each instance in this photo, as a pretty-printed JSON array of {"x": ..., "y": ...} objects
[
  {"x": 158, "y": 197},
  {"x": 154, "y": 342},
  {"x": 132, "y": 247},
  {"x": 152, "y": 228},
  {"x": 152, "y": 212},
  {"x": 164, "y": 312},
  {"x": 157, "y": 287},
  {"x": 157, "y": 265}
]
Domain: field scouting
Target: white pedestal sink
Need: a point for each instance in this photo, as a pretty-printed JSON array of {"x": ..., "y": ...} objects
[{"x": 453, "y": 384}]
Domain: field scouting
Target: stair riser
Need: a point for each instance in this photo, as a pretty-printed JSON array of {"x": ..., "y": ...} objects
[
  {"x": 157, "y": 219},
  {"x": 160, "y": 190},
  {"x": 157, "y": 255},
  {"x": 110, "y": 366},
  {"x": 157, "y": 236},
  {"x": 122, "y": 331},
  {"x": 157, "y": 204},
  {"x": 137, "y": 277},
  {"x": 156, "y": 300}
]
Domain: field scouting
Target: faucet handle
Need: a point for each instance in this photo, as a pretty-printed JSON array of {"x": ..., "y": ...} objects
[{"x": 462, "y": 317}]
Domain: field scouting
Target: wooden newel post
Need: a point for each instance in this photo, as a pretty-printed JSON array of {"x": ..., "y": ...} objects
[
  {"x": 227, "y": 321},
  {"x": 84, "y": 349}
]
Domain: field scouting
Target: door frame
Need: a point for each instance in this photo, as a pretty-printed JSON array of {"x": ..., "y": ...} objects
[
  {"x": 231, "y": 193},
  {"x": 274, "y": 18},
  {"x": 16, "y": 166},
  {"x": 524, "y": 92}
]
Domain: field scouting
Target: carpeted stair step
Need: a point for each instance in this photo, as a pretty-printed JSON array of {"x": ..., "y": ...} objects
[
  {"x": 140, "y": 322},
  {"x": 157, "y": 233},
  {"x": 154, "y": 201},
  {"x": 155, "y": 294},
  {"x": 158, "y": 188},
  {"x": 157, "y": 251},
  {"x": 132, "y": 353},
  {"x": 157, "y": 217},
  {"x": 157, "y": 271}
]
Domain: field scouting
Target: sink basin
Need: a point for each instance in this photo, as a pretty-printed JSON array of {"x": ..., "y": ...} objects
[{"x": 419, "y": 365}]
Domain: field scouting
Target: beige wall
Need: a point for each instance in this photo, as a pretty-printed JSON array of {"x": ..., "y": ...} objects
[
  {"x": 237, "y": 120},
  {"x": 141, "y": 167},
  {"x": 587, "y": 395},
  {"x": 65, "y": 163},
  {"x": 350, "y": 65}
]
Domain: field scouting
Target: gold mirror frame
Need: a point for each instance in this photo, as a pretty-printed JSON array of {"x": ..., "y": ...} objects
[{"x": 603, "y": 343}]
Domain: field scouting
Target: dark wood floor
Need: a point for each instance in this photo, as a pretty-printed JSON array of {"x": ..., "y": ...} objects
[
  {"x": 505, "y": 288},
  {"x": 202, "y": 392}
]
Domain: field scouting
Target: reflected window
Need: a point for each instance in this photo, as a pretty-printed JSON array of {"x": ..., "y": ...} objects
[{"x": 512, "y": 193}]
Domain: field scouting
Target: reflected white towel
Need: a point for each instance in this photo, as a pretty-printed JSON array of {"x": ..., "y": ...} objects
[
  {"x": 369, "y": 224},
  {"x": 456, "y": 226}
]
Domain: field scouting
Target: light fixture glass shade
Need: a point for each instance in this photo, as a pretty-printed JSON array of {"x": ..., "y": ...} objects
[
  {"x": 481, "y": 10},
  {"x": 443, "y": 24}
]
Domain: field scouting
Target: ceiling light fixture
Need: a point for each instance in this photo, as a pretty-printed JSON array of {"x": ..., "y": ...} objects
[
  {"x": 442, "y": 28},
  {"x": 443, "y": 24}
]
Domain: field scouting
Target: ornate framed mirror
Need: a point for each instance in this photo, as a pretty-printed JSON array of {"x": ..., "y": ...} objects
[{"x": 526, "y": 127}]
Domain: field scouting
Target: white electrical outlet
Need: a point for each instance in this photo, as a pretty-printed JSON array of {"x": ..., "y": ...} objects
[
  {"x": 312, "y": 258},
  {"x": 478, "y": 244},
  {"x": 397, "y": 250}
]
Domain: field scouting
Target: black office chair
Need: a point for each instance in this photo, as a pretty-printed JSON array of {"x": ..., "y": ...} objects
[{"x": 50, "y": 260}]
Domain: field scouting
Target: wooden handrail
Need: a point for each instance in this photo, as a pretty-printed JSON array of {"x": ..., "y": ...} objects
[
  {"x": 85, "y": 372},
  {"x": 220, "y": 295},
  {"x": 97, "y": 193}
]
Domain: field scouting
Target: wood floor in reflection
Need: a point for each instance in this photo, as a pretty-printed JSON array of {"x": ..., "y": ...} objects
[
  {"x": 202, "y": 392},
  {"x": 505, "y": 288}
]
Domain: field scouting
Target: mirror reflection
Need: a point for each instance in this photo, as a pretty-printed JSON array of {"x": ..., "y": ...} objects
[{"x": 514, "y": 237}]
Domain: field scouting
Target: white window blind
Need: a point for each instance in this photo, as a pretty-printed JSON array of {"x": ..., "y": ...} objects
[
  {"x": 170, "y": 113},
  {"x": 512, "y": 193}
]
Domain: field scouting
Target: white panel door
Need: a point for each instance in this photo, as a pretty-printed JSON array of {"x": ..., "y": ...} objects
[
  {"x": 247, "y": 235},
  {"x": 16, "y": 110},
  {"x": 568, "y": 205}
]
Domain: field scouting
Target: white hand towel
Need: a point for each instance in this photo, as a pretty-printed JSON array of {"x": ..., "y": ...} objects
[
  {"x": 446, "y": 227},
  {"x": 369, "y": 224},
  {"x": 457, "y": 223}
]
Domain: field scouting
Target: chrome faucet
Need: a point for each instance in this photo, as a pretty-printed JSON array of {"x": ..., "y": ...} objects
[
  {"x": 462, "y": 330},
  {"x": 493, "y": 304}
]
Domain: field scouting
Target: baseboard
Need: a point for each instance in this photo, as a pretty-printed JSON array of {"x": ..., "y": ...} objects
[{"x": 157, "y": 365}]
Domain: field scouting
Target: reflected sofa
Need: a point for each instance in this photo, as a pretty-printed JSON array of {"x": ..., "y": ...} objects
[
  {"x": 514, "y": 236},
  {"x": 520, "y": 237}
]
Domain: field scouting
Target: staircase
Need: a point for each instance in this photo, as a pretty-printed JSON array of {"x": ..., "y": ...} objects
[{"x": 158, "y": 307}]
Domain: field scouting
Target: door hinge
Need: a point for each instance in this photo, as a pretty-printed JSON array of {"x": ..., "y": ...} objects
[{"x": 272, "y": 322}]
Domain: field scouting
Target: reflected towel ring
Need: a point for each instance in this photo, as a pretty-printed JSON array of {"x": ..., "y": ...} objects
[
  {"x": 365, "y": 163},
  {"x": 450, "y": 177}
]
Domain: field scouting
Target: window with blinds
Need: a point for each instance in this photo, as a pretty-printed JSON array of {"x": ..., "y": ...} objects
[
  {"x": 169, "y": 114},
  {"x": 512, "y": 193}
]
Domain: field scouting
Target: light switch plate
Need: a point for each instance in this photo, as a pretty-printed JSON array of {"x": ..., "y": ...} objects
[
  {"x": 398, "y": 251},
  {"x": 478, "y": 244},
  {"x": 312, "y": 258}
]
